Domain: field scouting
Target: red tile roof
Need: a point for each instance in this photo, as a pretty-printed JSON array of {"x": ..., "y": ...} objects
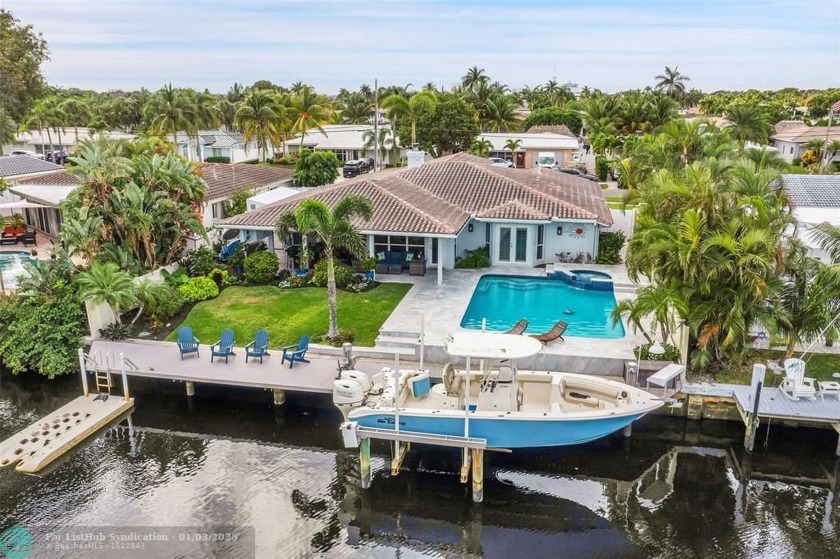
[
  {"x": 440, "y": 197},
  {"x": 58, "y": 178},
  {"x": 224, "y": 179}
]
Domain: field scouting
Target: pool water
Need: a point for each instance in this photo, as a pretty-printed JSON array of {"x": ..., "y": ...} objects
[
  {"x": 589, "y": 274},
  {"x": 503, "y": 300},
  {"x": 12, "y": 265}
]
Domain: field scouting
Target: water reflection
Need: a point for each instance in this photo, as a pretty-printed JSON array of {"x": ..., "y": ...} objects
[{"x": 675, "y": 489}]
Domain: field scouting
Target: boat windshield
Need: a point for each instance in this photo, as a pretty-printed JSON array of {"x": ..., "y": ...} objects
[{"x": 487, "y": 345}]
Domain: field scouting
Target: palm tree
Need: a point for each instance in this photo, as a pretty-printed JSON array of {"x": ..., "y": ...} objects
[
  {"x": 747, "y": 123},
  {"x": 500, "y": 114},
  {"x": 106, "y": 283},
  {"x": 473, "y": 77},
  {"x": 259, "y": 116},
  {"x": 203, "y": 114},
  {"x": 382, "y": 143},
  {"x": 167, "y": 113},
  {"x": 40, "y": 115},
  {"x": 481, "y": 148},
  {"x": 309, "y": 110},
  {"x": 335, "y": 230},
  {"x": 8, "y": 129},
  {"x": 672, "y": 82},
  {"x": 355, "y": 108},
  {"x": 512, "y": 145},
  {"x": 398, "y": 106},
  {"x": 76, "y": 113}
]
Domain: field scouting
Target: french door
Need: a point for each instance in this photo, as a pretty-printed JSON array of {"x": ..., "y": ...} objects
[{"x": 513, "y": 244}]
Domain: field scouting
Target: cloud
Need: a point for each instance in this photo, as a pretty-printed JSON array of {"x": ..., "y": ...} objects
[{"x": 331, "y": 44}]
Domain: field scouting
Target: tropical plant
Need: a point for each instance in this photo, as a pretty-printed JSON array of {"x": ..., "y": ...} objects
[
  {"x": 500, "y": 114},
  {"x": 399, "y": 107},
  {"x": 237, "y": 203},
  {"x": 320, "y": 274},
  {"x": 261, "y": 118},
  {"x": 381, "y": 144},
  {"x": 481, "y": 147},
  {"x": 316, "y": 168},
  {"x": 309, "y": 110},
  {"x": 198, "y": 289},
  {"x": 335, "y": 229},
  {"x": 474, "y": 77},
  {"x": 20, "y": 65},
  {"x": 672, "y": 82},
  {"x": 261, "y": 267},
  {"x": 8, "y": 129},
  {"x": 512, "y": 145},
  {"x": 76, "y": 112},
  {"x": 450, "y": 126},
  {"x": 106, "y": 283},
  {"x": 553, "y": 116},
  {"x": 747, "y": 124},
  {"x": 168, "y": 112},
  {"x": 355, "y": 109}
]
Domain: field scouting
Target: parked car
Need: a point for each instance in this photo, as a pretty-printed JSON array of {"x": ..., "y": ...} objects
[
  {"x": 547, "y": 160},
  {"x": 368, "y": 161},
  {"x": 499, "y": 162},
  {"x": 578, "y": 173},
  {"x": 58, "y": 157},
  {"x": 26, "y": 152},
  {"x": 354, "y": 168}
]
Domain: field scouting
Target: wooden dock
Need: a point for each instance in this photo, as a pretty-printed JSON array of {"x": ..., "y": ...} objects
[
  {"x": 155, "y": 359},
  {"x": 35, "y": 447}
]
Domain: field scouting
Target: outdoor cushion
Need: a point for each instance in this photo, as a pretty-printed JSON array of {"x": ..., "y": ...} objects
[{"x": 380, "y": 255}]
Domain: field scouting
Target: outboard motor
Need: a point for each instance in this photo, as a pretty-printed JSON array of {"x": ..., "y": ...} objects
[
  {"x": 359, "y": 377},
  {"x": 347, "y": 395}
]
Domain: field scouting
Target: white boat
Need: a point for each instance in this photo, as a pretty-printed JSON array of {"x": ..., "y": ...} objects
[{"x": 507, "y": 407}]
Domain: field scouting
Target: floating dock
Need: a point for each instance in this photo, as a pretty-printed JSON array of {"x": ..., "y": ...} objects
[{"x": 40, "y": 444}]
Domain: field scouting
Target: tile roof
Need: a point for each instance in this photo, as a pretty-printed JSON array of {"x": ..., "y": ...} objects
[
  {"x": 821, "y": 191},
  {"x": 441, "y": 196},
  {"x": 799, "y": 132},
  {"x": 58, "y": 178},
  {"x": 561, "y": 129},
  {"x": 19, "y": 165},
  {"x": 223, "y": 179}
]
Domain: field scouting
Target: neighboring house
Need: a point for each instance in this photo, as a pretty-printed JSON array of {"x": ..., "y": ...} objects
[
  {"x": 562, "y": 146},
  {"x": 49, "y": 188},
  {"x": 58, "y": 139},
  {"x": 561, "y": 129},
  {"x": 461, "y": 202},
  {"x": 216, "y": 143},
  {"x": 347, "y": 141},
  {"x": 790, "y": 137},
  {"x": 814, "y": 199},
  {"x": 271, "y": 196}
]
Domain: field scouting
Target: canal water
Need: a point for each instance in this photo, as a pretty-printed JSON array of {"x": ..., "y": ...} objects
[{"x": 227, "y": 457}]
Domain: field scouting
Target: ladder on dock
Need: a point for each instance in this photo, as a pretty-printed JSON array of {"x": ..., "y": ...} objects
[{"x": 102, "y": 369}]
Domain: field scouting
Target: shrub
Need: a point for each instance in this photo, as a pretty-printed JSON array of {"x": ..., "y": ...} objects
[
  {"x": 478, "y": 258},
  {"x": 343, "y": 274},
  {"x": 609, "y": 248},
  {"x": 360, "y": 284},
  {"x": 165, "y": 307},
  {"x": 345, "y": 336},
  {"x": 602, "y": 168},
  {"x": 293, "y": 282},
  {"x": 261, "y": 267},
  {"x": 237, "y": 203},
  {"x": 251, "y": 161},
  {"x": 672, "y": 353},
  {"x": 178, "y": 278},
  {"x": 199, "y": 289},
  {"x": 217, "y": 159},
  {"x": 220, "y": 276},
  {"x": 200, "y": 261},
  {"x": 116, "y": 331}
]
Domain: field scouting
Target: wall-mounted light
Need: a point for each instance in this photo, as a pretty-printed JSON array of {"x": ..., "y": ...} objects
[
  {"x": 470, "y": 227},
  {"x": 559, "y": 229}
]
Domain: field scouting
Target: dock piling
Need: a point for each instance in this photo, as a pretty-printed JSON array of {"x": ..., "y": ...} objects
[
  {"x": 752, "y": 420},
  {"x": 83, "y": 370},
  {"x": 628, "y": 430},
  {"x": 478, "y": 475},
  {"x": 279, "y": 396},
  {"x": 124, "y": 377},
  {"x": 364, "y": 461},
  {"x": 190, "y": 388}
]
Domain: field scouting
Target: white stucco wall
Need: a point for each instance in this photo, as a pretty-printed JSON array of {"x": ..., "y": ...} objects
[
  {"x": 570, "y": 242},
  {"x": 471, "y": 241}
]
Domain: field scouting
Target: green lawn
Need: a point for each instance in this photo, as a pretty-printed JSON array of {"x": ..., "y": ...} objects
[
  {"x": 289, "y": 313},
  {"x": 819, "y": 366}
]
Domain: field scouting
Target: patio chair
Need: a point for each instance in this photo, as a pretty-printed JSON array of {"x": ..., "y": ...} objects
[
  {"x": 224, "y": 347},
  {"x": 296, "y": 352},
  {"x": 553, "y": 334},
  {"x": 258, "y": 347},
  {"x": 28, "y": 238},
  {"x": 229, "y": 250},
  {"x": 187, "y": 343},
  {"x": 519, "y": 327},
  {"x": 796, "y": 385}
]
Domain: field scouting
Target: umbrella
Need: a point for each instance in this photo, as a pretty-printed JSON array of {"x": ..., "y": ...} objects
[{"x": 20, "y": 205}]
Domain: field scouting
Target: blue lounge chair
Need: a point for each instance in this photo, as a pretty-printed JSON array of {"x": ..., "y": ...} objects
[
  {"x": 187, "y": 343},
  {"x": 259, "y": 347},
  {"x": 229, "y": 250},
  {"x": 224, "y": 347},
  {"x": 296, "y": 352}
]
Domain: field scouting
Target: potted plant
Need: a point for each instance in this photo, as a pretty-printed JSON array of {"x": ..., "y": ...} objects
[
  {"x": 369, "y": 264},
  {"x": 304, "y": 257}
]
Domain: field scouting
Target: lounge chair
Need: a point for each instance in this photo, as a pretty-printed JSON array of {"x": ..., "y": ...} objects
[
  {"x": 187, "y": 343},
  {"x": 224, "y": 347},
  {"x": 296, "y": 352},
  {"x": 796, "y": 385},
  {"x": 519, "y": 327},
  {"x": 258, "y": 347},
  {"x": 28, "y": 238},
  {"x": 553, "y": 334}
]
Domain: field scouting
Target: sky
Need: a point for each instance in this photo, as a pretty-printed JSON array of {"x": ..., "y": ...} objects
[{"x": 607, "y": 44}]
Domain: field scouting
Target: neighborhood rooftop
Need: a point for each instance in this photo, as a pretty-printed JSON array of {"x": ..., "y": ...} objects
[
  {"x": 788, "y": 131},
  {"x": 440, "y": 197},
  {"x": 813, "y": 190},
  {"x": 224, "y": 179},
  {"x": 20, "y": 165}
]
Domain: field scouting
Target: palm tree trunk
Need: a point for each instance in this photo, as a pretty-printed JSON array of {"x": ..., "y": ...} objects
[
  {"x": 331, "y": 296},
  {"x": 791, "y": 346},
  {"x": 139, "y": 312},
  {"x": 49, "y": 139},
  {"x": 414, "y": 131}
]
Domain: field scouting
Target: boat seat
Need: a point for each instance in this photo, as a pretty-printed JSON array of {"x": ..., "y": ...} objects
[{"x": 421, "y": 385}]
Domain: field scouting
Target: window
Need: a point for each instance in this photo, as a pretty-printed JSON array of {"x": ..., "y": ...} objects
[
  {"x": 343, "y": 154},
  {"x": 540, "y": 241},
  {"x": 791, "y": 149},
  {"x": 415, "y": 245},
  {"x": 217, "y": 152},
  {"x": 487, "y": 234}
]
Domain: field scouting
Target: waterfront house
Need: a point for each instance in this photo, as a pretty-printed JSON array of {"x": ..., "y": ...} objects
[
  {"x": 531, "y": 144},
  {"x": 814, "y": 199},
  {"x": 347, "y": 141},
  {"x": 790, "y": 137},
  {"x": 448, "y": 206},
  {"x": 215, "y": 143}
]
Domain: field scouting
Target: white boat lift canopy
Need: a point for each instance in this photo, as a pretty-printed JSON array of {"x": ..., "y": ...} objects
[{"x": 486, "y": 345}]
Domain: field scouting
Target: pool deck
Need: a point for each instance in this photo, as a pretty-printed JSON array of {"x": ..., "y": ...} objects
[{"x": 444, "y": 307}]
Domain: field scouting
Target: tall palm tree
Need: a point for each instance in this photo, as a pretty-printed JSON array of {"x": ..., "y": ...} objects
[
  {"x": 8, "y": 129},
  {"x": 481, "y": 148},
  {"x": 512, "y": 145},
  {"x": 167, "y": 112},
  {"x": 672, "y": 82},
  {"x": 382, "y": 143},
  {"x": 397, "y": 106},
  {"x": 500, "y": 114},
  {"x": 355, "y": 108},
  {"x": 39, "y": 115},
  {"x": 259, "y": 116},
  {"x": 309, "y": 110},
  {"x": 106, "y": 283},
  {"x": 76, "y": 113},
  {"x": 334, "y": 227},
  {"x": 202, "y": 114},
  {"x": 473, "y": 77},
  {"x": 747, "y": 123}
]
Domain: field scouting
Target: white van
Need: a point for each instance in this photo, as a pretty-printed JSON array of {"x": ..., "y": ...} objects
[{"x": 546, "y": 159}]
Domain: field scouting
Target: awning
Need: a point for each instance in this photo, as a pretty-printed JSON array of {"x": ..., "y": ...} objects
[{"x": 21, "y": 205}]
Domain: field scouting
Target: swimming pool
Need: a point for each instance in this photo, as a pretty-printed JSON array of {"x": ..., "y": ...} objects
[
  {"x": 503, "y": 300},
  {"x": 12, "y": 265}
]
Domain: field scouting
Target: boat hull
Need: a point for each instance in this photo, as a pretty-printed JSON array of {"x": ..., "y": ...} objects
[{"x": 507, "y": 432}]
